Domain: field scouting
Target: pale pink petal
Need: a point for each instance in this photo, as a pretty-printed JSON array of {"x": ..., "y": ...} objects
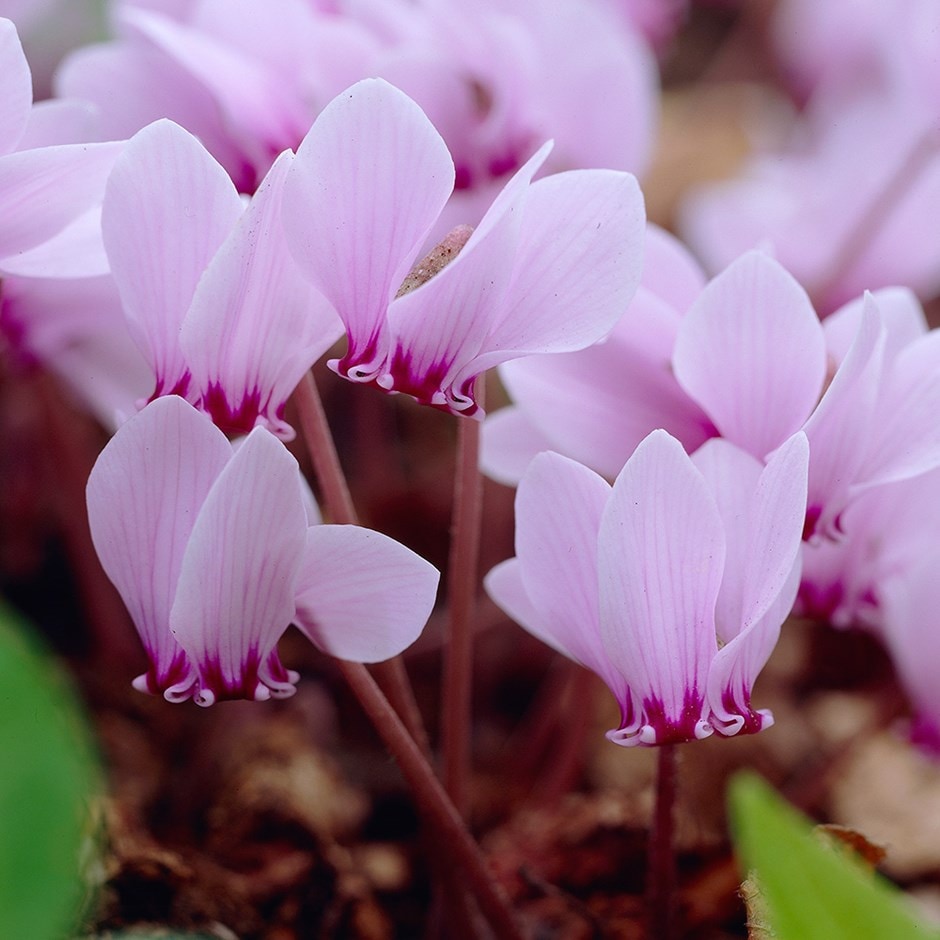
[
  {"x": 910, "y": 605},
  {"x": 737, "y": 665},
  {"x": 42, "y": 191},
  {"x": 508, "y": 444},
  {"x": 320, "y": 53},
  {"x": 264, "y": 113},
  {"x": 438, "y": 328},
  {"x": 558, "y": 511},
  {"x": 669, "y": 270},
  {"x": 255, "y": 324},
  {"x": 369, "y": 180},
  {"x": 144, "y": 495},
  {"x": 764, "y": 526},
  {"x": 732, "y": 475},
  {"x": 763, "y": 509},
  {"x": 613, "y": 65},
  {"x": 596, "y": 405},
  {"x": 362, "y": 596},
  {"x": 16, "y": 88},
  {"x": 660, "y": 562},
  {"x": 134, "y": 84},
  {"x": 235, "y": 595},
  {"x": 76, "y": 328},
  {"x": 167, "y": 209},
  {"x": 901, "y": 313},
  {"x": 839, "y": 430},
  {"x": 905, "y": 436},
  {"x": 58, "y": 121},
  {"x": 577, "y": 267},
  {"x": 76, "y": 251},
  {"x": 751, "y": 353}
]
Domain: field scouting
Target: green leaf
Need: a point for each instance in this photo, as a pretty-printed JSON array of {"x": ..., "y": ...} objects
[
  {"x": 811, "y": 892},
  {"x": 46, "y": 777}
]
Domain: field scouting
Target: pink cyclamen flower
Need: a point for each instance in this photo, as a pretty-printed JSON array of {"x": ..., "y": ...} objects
[
  {"x": 497, "y": 78},
  {"x": 550, "y": 267},
  {"x": 209, "y": 289},
  {"x": 210, "y": 548},
  {"x": 671, "y": 585},
  {"x": 753, "y": 355}
]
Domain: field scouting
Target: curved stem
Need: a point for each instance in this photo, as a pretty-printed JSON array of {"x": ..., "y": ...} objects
[
  {"x": 433, "y": 802},
  {"x": 661, "y": 870},
  {"x": 339, "y": 506},
  {"x": 462, "y": 580}
]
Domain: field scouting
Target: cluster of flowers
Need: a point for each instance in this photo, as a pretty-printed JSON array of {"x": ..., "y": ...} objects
[{"x": 761, "y": 457}]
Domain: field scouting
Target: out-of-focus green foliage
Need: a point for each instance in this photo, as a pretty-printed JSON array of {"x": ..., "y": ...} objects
[
  {"x": 47, "y": 775},
  {"x": 809, "y": 891}
]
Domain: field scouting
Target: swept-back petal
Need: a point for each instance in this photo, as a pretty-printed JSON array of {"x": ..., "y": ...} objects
[
  {"x": 910, "y": 603},
  {"x": 669, "y": 270},
  {"x": 751, "y": 352},
  {"x": 577, "y": 267},
  {"x": 263, "y": 112},
  {"x": 362, "y": 596},
  {"x": 906, "y": 429},
  {"x": 839, "y": 429},
  {"x": 558, "y": 512},
  {"x": 255, "y": 324},
  {"x": 901, "y": 313},
  {"x": 76, "y": 251},
  {"x": 437, "y": 329},
  {"x": 235, "y": 595},
  {"x": 42, "y": 191},
  {"x": 134, "y": 84},
  {"x": 167, "y": 209},
  {"x": 144, "y": 494},
  {"x": 763, "y": 511},
  {"x": 660, "y": 562},
  {"x": 369, "y": 180},
  {"x": 16, "y": 88}
]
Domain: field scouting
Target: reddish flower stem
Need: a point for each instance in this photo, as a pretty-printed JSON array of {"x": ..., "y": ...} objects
[
  {"x": 433, "y": 802},
  {"x": 661, "y": 868},
  {"x": 339, "y": 506},
  {"x": 462, "y": 574}
]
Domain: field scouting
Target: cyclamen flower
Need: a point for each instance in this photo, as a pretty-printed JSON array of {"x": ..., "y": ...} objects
[
  {"x": 211, "y": 294},
  {"x": 550, "y": 268},
  {"x": 753, "y": 355},
  {"x": 671, "y": 585},
  {"x": 210, "y": 548},
  {"x": 496, "y": 78}
]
